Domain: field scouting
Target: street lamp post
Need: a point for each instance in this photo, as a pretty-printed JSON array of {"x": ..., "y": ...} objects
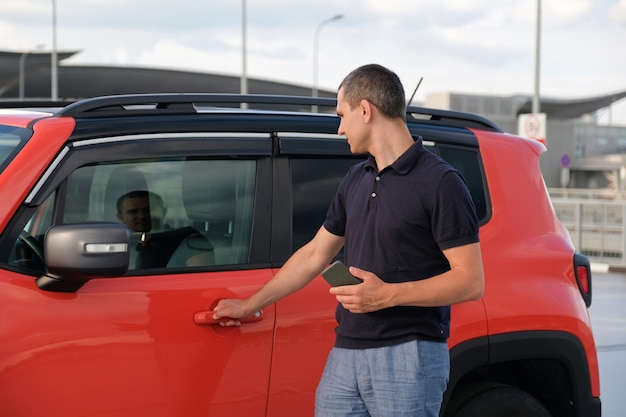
[
  {"x": 536, "y": 107},
  {"x": 22, "y": 59},
  {"x": 244, "y": 76},
  {"x": 316, "y": 51},
  {"x": 54, "y": 89}
]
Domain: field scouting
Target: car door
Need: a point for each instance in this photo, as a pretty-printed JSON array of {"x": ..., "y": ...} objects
[
  {"x": 307, "y": 174},
  {"x": 143, "y": 343}
]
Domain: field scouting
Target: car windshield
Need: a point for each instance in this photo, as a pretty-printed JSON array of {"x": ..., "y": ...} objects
[{"x": 12, "y": 139}]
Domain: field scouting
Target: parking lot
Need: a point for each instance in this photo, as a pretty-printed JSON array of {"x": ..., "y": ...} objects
[{"x": 608, "y": 316}]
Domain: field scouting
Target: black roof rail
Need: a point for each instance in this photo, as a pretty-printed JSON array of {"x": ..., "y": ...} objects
[
  {"x": 177, "y": 103},
  {"x": 188, "y": 103}
]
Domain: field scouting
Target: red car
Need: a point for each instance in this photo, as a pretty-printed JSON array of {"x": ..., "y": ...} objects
[{"x": 104, "y": 316}]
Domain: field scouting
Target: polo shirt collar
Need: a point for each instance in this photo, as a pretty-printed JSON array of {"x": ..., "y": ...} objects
[{"x": 405, "y": 162}]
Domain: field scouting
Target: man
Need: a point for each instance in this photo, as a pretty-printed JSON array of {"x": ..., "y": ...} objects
[
  {"x": 138, "y": 210},
  {"x": 410, "y": 233},
  {"x": 143, "y": 212}
]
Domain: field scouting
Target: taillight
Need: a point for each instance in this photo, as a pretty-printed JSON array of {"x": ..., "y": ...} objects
[
  {"x": 582, "y": 275},
  {"x": 582, "y": 270}
]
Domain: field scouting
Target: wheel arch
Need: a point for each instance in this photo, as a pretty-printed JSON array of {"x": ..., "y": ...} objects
[{"x": 550, "y": 365}]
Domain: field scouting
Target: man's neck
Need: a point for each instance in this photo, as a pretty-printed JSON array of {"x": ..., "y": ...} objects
[{"x": 390, "y": 145}]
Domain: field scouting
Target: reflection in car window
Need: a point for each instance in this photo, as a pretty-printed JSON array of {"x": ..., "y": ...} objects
[
  {"x": 27, "y": 251},
  {"x": 181, "y": 213}
]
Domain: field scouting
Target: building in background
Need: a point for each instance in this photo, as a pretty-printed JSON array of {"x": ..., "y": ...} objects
[
  {"x": 580, "y": 152},
  {"x": 76, "y": 82}
]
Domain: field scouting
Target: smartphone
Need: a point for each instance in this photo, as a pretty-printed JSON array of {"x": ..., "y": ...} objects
[{"x": 337, "y": 274}]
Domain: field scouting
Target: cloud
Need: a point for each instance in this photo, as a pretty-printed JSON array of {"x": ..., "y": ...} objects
[
  {"x": 462, "y": 45},
  {"x": 617, "y": 13},
  {"x": 25, "y": 7},
  {"x": 565, "y": 13}
]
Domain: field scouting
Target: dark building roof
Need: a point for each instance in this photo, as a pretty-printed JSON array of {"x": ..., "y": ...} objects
[
  {"x": 571, "y": 109},
  {"x": 32, "y": 62},
  {"x": 75, "y": 82}
]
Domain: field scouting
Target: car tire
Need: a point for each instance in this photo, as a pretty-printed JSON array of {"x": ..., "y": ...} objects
[{"x": 495, "y": 400}]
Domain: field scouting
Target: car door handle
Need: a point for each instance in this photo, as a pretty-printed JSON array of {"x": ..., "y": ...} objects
[{"x": 206, "y": 318}]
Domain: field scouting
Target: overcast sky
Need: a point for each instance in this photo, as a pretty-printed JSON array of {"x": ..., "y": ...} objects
[{"x": 466, "y": 46}]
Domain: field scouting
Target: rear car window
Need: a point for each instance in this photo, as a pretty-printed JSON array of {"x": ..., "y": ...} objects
[
  {"x": 467, "y": 162},
  {"x": 314, "y": 183}
]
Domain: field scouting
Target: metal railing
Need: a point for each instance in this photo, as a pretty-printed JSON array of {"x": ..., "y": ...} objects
[
  {"x": 573, "y": 193},
  {"x": 597, "y": 225}
]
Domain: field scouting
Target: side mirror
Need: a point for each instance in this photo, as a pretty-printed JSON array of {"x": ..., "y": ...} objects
[{"x": 76, "y": 253}]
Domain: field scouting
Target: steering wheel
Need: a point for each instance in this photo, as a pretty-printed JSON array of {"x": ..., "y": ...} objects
[{"x": 33, "y": 244}]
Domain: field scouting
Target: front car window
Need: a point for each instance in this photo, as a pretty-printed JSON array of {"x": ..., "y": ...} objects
[{"x": 181, "y": 212}]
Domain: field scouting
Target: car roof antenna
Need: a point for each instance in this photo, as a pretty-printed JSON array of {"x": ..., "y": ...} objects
[{"x": 415, "y": 91}]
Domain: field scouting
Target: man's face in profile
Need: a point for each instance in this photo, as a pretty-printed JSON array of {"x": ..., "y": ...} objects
[{"x": 135, "y": 214}]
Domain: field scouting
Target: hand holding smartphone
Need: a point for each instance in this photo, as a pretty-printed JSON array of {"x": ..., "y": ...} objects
[{"x": 337, "y": 274}]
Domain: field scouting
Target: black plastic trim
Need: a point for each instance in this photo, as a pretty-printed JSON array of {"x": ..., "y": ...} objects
[
  {"x": 464, "y": 358},
  {"x": 158, "y": 148},
  {"x": 205, "y": 122},
  {"x": 58, "y": 284},
  {"x": 562, "y": 347},
  {"x": 315, "y": 146},
  {"x": 282, "y": 213}
]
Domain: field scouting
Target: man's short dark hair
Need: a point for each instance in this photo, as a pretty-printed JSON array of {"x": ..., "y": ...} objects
[
  {"x": 153, "y": 198},
  {"x": 378, "y": 85}
]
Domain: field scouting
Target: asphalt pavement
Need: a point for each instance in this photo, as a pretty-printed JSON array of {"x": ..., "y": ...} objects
[{"x": 608, "y": 318}]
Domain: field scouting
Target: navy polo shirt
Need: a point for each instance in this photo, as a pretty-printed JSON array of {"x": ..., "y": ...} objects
[{"x": 396, "y": 223}]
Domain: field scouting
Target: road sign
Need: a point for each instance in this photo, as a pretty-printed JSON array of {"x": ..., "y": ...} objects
[{"x": 533, "y": 126}]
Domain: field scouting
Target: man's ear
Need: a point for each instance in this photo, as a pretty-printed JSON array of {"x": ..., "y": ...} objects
[{"x": 365, "y": 107}]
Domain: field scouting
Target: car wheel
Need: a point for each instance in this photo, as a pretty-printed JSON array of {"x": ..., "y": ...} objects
[{"x": 496, "y": 400}]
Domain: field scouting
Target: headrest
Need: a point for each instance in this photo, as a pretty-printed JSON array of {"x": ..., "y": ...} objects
[{"x": 210, "y": 190}]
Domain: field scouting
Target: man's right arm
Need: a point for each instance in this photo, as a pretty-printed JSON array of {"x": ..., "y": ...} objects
[{"x": 304, "y": 265}]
